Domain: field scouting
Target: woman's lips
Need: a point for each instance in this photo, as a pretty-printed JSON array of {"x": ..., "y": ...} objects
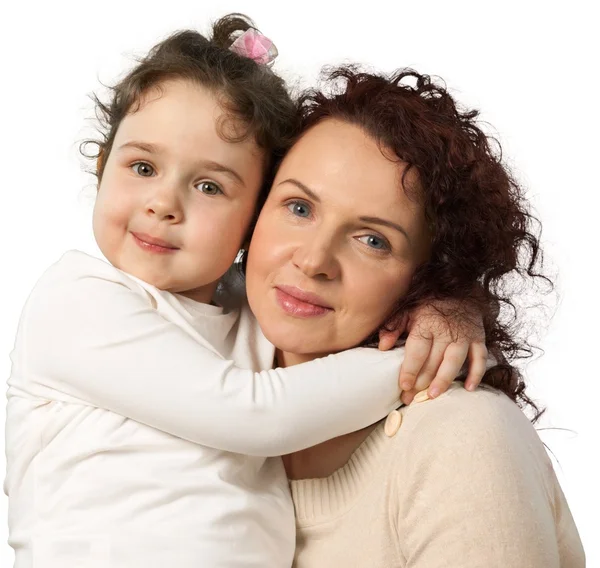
[
  {"x": 301, "y": 304},
  {"x": 152, "y": 244}
]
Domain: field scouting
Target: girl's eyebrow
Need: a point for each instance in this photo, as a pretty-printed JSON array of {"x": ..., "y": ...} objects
[
  {"x": 143, "y": 146},
  {"x": 209, "y": 164},
  {"x": 217, "y": 167},
  {"x": 365, "y": 219}
]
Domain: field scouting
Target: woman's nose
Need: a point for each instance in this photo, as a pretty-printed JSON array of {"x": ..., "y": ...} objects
[{"x": 317, "y": 258}]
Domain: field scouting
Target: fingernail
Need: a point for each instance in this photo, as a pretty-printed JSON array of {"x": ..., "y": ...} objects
[{"x": 434, "y": 391}]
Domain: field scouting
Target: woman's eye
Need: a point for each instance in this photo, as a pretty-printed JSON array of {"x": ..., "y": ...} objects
[
  {"x": 209, "y": 188},
  {"x": 375, "y": 242},
  {"x": 143, "y": 169},
  {"x": 299, "y": 208}
]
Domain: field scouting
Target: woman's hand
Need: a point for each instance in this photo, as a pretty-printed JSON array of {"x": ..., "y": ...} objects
[{"x": 441, "y": 335}]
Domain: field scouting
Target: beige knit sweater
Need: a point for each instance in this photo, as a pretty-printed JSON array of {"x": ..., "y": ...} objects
[{"x": 464, "y": 483}]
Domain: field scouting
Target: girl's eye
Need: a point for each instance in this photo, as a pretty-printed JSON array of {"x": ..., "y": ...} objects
[
  {"x": 299, "y": 208},
  {"x": 374, "y": 242},
  {"x": 143, "y": 169},
  {"x": 209, "y": 188}
]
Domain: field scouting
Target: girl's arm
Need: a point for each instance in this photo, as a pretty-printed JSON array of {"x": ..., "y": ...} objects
[{"x": 93, "y": 338}]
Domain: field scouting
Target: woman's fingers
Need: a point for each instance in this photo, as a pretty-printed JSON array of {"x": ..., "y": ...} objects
[
  {"x": 417, "y": 349},
  {"x": 478, "y": 356}
]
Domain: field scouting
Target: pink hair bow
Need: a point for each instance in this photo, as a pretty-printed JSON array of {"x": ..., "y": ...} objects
[{"x": 255, "y": 46}]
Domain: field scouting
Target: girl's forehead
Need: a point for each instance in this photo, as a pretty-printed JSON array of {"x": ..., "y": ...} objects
[
  {"x": 175, "y": 101},
  {"x": 184, "y": 116}
]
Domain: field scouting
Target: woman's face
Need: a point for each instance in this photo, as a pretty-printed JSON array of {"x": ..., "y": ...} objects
[{"x": 335, "y": 246}]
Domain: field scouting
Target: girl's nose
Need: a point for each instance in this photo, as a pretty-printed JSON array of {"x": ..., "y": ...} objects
[{"x": 166, "y": 206}]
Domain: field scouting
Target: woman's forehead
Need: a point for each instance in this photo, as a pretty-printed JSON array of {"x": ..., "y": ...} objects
[{"x": 335, "y": 153}]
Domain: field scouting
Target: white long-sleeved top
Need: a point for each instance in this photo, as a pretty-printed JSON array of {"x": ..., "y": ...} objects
[{"x": 119, "y": 395}]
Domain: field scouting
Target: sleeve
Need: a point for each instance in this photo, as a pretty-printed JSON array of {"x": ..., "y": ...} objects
[
  {"x": 99, "y": 341},
  {"x": 477, "y": 491}
]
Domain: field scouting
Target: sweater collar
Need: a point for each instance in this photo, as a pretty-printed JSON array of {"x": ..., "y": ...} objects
[{"x": 319, "y": 500}]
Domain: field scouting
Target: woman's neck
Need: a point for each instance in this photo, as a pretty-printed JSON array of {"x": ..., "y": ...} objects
[
  {"x": 326, "y": 458},
  {"x": 323, "y": 459}
]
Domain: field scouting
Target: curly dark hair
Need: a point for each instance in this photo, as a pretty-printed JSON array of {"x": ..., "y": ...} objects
[
  {"x": 251, "y": 93},
  {"x": 483, "y": 232}
]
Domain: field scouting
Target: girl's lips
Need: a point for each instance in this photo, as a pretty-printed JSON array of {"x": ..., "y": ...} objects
[
  {"x": 149, "y": 243},
  {"x": 301, "y": 304}
]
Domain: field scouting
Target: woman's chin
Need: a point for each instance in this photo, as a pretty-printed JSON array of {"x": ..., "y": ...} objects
[
  {"x": 296, "y": 347},
  {"x": 298, "y": 351}
]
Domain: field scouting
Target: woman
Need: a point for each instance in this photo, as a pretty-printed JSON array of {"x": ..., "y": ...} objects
[{"x": 391, "y": 198}]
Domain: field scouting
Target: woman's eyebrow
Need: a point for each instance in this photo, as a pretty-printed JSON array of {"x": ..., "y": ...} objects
[
  {"x": 386, "y": 223},
  {"x": 301, "y": 186}
]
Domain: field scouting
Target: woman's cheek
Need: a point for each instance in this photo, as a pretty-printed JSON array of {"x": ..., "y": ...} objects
[{"x": 381, "y": 294}]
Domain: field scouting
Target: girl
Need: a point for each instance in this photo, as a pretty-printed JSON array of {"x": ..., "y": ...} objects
[{"x": 141, "y": 405}]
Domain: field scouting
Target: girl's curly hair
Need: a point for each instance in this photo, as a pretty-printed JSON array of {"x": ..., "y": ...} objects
[
  {"x": 483, "y": 233},
  {"x": 252, "y": 95}
]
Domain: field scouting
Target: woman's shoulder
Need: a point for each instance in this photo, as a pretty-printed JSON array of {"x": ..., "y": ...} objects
[
  {"x": 484, "y": 409},
  {"x": 472, "y": 463},
  {"x": 484, "y": 424}
]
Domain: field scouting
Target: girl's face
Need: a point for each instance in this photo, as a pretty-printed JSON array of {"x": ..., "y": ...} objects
[
  {"x": 176, "y": 200},
  {"x": 336, "y": 244}
]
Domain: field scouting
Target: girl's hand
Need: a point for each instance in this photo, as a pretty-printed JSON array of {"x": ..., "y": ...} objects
[{"x": 441, "y": 335}]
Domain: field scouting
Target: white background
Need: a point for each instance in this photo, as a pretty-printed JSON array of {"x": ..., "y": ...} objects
[{"x": 528, "y": 65}]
